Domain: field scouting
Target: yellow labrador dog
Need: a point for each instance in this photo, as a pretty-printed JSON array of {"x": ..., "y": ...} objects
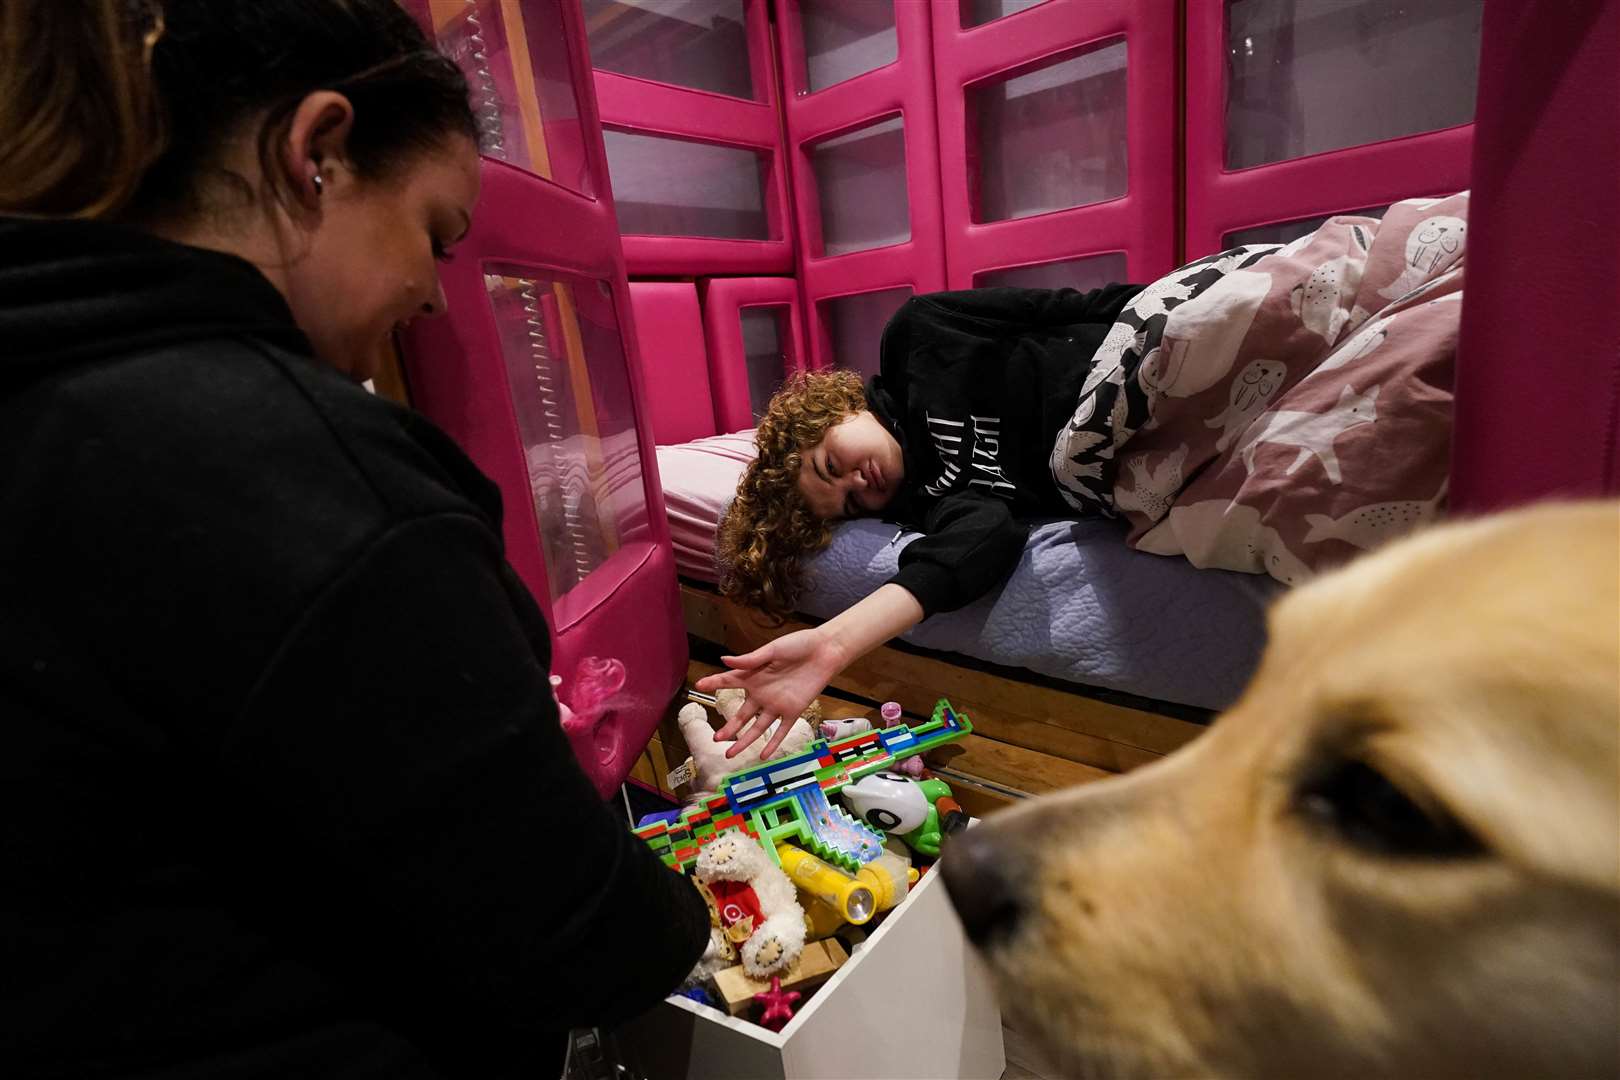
[{"x": 1397, "y": 855}]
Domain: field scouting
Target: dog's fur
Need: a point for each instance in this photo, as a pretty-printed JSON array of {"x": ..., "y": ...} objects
[{"x": 1227, "y": 911}]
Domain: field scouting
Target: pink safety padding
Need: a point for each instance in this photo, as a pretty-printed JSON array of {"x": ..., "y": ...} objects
[
  {"x": 674, "y": 362},
  {"x": 1219, "y": 201},
  {"x": 904, "y": 87},
  {"x": 1136, "y": 223},
  {"x": 650, "y": 108},
  {"x": 1538, "y": 361},
  {"x": 724, "y": 300},
  {"x": 628, "y": 608}
]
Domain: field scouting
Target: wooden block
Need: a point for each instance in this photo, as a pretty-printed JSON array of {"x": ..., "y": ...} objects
[{"x": 814, "y": 967}]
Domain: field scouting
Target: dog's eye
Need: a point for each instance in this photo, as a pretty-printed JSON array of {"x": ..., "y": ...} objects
[{"x": 1366, "y": 809}]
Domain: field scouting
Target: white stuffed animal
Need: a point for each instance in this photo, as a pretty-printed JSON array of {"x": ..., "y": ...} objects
[
  {"x": 752, "y": 902},
  {"x": 709, "y": 757}
]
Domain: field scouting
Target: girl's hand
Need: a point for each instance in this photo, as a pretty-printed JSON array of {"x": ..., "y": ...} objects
[{"x": 779, "y": 679}]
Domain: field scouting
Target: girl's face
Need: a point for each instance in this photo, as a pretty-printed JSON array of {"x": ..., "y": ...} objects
[
  {"x": 372, "y": 264},
  {"x": 855, "y": 470}
]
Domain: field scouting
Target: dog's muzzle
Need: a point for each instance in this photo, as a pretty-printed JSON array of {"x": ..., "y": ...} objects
[{"x": 984, "y": 885}]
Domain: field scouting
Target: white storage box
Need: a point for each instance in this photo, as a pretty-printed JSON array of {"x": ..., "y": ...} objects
[{"x": 914, "y": 1001}]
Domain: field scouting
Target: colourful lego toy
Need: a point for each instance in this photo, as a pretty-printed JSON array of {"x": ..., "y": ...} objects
[{"x": 786, "y": 800}]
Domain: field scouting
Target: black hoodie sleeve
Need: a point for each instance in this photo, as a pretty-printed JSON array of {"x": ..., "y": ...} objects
[
  {"x": 420, "y": 820},
  {"x": 972, "y": 543}
]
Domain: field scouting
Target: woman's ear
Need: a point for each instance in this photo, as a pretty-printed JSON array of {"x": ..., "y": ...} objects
[{"x": 317, "y": 144}]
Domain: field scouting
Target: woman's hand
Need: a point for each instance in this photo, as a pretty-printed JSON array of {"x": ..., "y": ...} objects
[{"x": 778, "y": 679}]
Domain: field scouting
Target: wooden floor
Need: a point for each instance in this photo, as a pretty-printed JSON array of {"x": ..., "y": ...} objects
[{"x": 1024, "y": 1061}]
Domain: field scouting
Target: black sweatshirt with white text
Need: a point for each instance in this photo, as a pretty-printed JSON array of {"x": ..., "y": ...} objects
[{"x": 975, "y": 385}]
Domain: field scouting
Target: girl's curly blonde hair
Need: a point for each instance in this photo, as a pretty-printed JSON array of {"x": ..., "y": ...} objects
[{"x": 769, "y": 529}]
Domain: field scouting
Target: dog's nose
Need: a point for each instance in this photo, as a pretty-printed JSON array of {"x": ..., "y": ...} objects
[{"x": 982, "y": 884}]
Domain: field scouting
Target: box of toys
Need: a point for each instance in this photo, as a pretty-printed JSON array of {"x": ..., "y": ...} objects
[{"x": 834, "y": 951}]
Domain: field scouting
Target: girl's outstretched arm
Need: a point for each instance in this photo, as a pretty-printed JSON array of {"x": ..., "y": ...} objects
[{"x": 782, "y": 677}]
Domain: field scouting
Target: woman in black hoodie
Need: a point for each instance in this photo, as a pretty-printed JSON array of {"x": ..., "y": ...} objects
[{"x": 285, "y": 791}]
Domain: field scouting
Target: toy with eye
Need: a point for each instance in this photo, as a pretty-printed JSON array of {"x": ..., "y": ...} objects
[{"x": 920, "y": 812}]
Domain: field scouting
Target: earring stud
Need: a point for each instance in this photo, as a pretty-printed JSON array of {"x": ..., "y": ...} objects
[{"x": 320, "y": 184}]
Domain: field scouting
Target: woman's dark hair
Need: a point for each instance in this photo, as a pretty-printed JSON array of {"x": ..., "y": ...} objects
[{"x": 118, "y": 108}]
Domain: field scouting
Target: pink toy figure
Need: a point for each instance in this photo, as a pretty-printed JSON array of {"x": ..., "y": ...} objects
[
  {"x": 778, "y": 1005},
  {"x": 596, "y": 681},
  {"x": 888, "y": 716}
]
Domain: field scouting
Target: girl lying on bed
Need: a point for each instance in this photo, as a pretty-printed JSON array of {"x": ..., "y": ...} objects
[
  {"x": 1276, "y": 409},
  {"x": 954, "y": 438}
]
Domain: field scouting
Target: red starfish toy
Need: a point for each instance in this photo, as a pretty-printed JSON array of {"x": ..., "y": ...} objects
[{"x": 778, "y": 1005}]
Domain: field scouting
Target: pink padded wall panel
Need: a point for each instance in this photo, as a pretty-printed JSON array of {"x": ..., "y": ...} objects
[
  {"x": 903, "y": 88},
  {"x": 1032, "y": 46},
  {"x": 724, "y": 302},
  {"x": 674, "y": 363},
  {"x": 644, "y": 107},
  {"x": 1538, "y": 363},
  {"x": 1220, "y": 200}
]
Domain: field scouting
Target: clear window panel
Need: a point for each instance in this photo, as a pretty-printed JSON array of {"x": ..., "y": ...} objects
[
  {"x": 978, "y": 12},
  {"x": 570, "y": 389},
  {"x": 698, "y": 44},
  {"x": 1091, "y": 272},
  {"x": 1051, "y": 138},
  {"x": 1284, "y": 231},
  {"x": 861, "y": 187},
  {"x": 1308, "y": 76},
  {"x": 673, "y": 187},
  {"x": 515, "y": 56},
  {"x": 846, "y": 38},
  {"x": 763, "y": 331},
  {"x": 855, "y": 326}
]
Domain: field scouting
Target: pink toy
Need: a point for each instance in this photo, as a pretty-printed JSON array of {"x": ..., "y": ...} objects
[
  {"x": 778, "y": 1005},
  {"x": 889, "y": 715},
  {"x": 596, "y": 682}
]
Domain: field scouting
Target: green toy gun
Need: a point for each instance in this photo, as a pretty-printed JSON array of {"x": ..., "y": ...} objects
[{"x": 786, "y": 800}]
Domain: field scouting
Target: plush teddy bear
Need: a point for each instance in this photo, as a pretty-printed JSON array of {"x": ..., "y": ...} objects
[
  {"x": 751, "y": 903},
  {"x": 709, "y": 757}
]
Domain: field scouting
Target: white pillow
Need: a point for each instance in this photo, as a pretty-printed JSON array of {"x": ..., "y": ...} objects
[{"x": 699, "y": 479}]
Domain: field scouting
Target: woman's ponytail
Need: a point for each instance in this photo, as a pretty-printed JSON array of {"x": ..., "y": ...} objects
[{"x": 79, "y": 117}]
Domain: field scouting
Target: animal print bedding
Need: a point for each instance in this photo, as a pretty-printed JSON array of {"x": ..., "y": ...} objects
[{"x": 1276, "y": 409}]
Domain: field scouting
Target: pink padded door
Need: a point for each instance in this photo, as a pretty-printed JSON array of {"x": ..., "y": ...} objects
[
  {"x": 688, "y": 96},
  {"x": 1057, "y": 148},
  {"x": 1538, "y": 360},
  {"x": 861, "y": 134},
  {"x": 1297, "y": 110},
  {"x": 533, "y": 371}
]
